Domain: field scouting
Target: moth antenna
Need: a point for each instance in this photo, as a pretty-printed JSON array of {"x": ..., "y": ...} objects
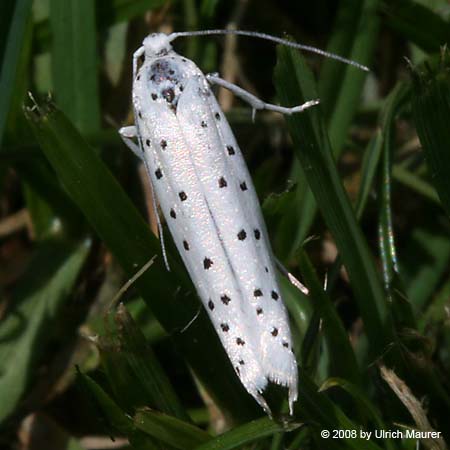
[{"x": 268, "y": 37}]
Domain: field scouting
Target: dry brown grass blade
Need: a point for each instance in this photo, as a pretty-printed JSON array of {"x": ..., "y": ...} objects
[{"x": 414, "y": 407}]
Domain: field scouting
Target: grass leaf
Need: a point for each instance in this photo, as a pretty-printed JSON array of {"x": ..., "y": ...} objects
[
  {"x": 295, "y": 84},
  {"x": 169, "y": 430},
  {"x": 75, "y": 61},
  {"x": 27, "y": 326}
]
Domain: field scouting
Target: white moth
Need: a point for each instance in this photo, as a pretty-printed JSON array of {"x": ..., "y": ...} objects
[{"x": 206, "y": 195}]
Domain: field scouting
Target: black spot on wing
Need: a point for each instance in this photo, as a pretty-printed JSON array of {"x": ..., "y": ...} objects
[
  {"x": 207, "y": 263},
  {"x": 242, "y": 235},
  {"x": 257, "y": 293},
  {"x": 230, "y": 150}
]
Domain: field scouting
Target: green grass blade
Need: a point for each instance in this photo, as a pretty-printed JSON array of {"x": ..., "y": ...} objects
[
  {"x": 113, "y": 419},
  {"x": 295, "y": 85},
  {"x": 386, "y": 234},
  {"x": 247, "y": 434},
  {"x": 431, "y": 109},
  {"x": 11, "y": 56},
  {"x": 342, "y": 359},
  {"x": 37, "y": 301},
  {"x": 372, "y": 157},
  {"x": 104, "y": 405},
  {"x": 108, "y": 13},
  {"x": 340, "y": 87},
  {"x": 116, "y": 11},
  {"x": 318, "y": 410},
  {"x": 332, "y": 73},
  {"x": 364, "y": 42},
  {"x": 110, "y": 212},
  {"x": 414, "y": 21},
  {"x": 415, "y": 183},
  {"x": 142, "y": 377},
  {"x": 432, "y": 247},
  {"x": 364, "y": 403},
  {"x": 169, "y": 430},
  {"x": 39, "y": 177},
  {"x": 75, "y": 61}
]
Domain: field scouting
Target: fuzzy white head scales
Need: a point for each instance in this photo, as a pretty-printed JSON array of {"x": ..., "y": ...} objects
[{"x": 157, "y": 44}]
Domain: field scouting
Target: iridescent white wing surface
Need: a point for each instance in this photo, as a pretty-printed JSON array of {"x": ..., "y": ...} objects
[{"x": 208, "y": 200}]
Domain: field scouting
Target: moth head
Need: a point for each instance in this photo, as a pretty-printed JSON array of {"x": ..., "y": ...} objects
[{"x": 157, "y": 44}]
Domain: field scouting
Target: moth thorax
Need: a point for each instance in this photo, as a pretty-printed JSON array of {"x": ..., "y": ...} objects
[{"x": 156, "y": 44}]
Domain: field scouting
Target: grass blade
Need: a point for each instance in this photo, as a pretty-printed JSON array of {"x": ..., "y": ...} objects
[
  {"x": 295, "y": 85},
  {"x": 132, "y": 360},
  {"x": 431, "y": 109},
  {"x": 169, "y": 430},
  {"x": 247, "y": 434},
  {"x": 414, "y": 21},
  {"x": 37, "y": 301},
  {"x": 364, "y": 402},
  {"x": 340, "y": 87},
  {"x": 323, "y": 414},
  {"x": 342, "y": 359},
  {"x": 11, "y": 56},
  {"x": 75, "y": 61}
]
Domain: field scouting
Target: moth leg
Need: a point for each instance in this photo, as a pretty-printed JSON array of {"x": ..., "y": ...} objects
[
  {"x": 254, "y": 101},
  {"x": 128, "y": 134},
  {"x": 300, "y": 286}
]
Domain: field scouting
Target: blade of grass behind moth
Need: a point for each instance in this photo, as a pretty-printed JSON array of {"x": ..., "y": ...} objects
[
  {"x": 340, "y": 88},
  {"x": 37, "y": 176},
  {"x": 414, "y": 21},
  {"x": 403, "y": 314},
  {"x": 432, "y": 241},
  {"x": 108, "y": 13},
  {"x": 114, "y": 420},
  {"x": 11, "y": 54},
  {"x": 352, "y": 85},
  {"x": 369, "y": 169},
  {"x": 295, "y": 84},
  {"x": 415, "y": 183},
  {"x": 343, "y": 35},
  {"x": 169, "y": 430},
  {"x": 108, "y": 209},
  {"x": 75, "y": 61},
  {"x": 363, "y": 401},
  {"x": 323, "y": 414},
  {"x": 37, "y": 302},
  {"x": 342, "y": 359},
  {"x": 116, "y": 11},
  {"x": 437, "y": 310},
  {"x": 431, "y": 109},
  {"x": 248, "y": 433},
  {"x": 152, "y": 381}
]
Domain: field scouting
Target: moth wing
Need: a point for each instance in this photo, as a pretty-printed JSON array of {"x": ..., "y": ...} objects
[
  {"x": 173, "y": 166},
  {"x": 233, "y": 203}
]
